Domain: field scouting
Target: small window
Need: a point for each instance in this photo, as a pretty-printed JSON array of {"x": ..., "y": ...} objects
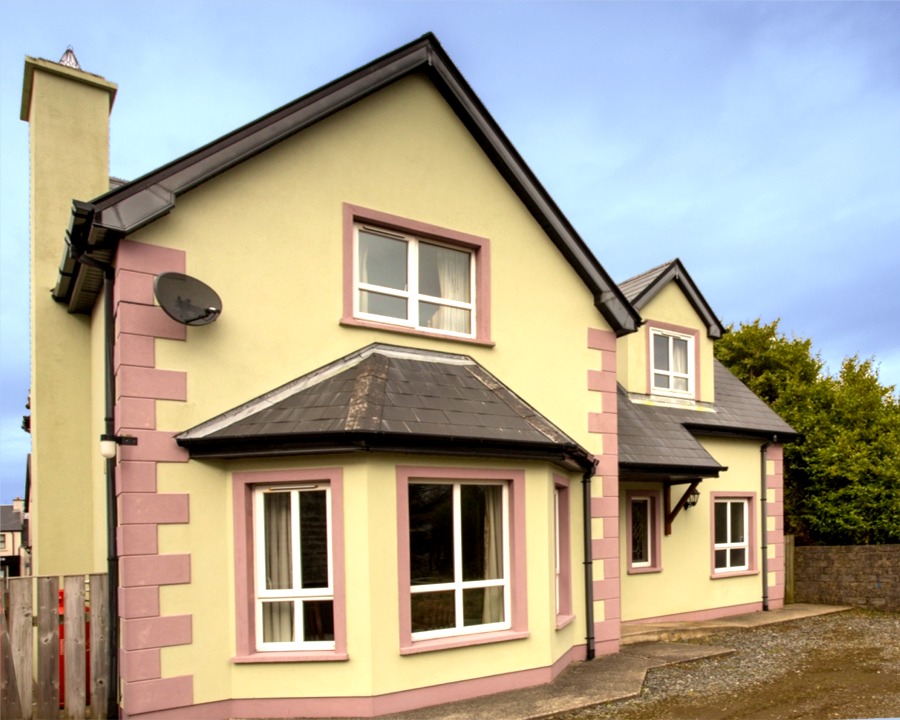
[
  {"x": 3, "y": 541},
  {"x": 294, "y": 570},
  {"x": 405, "y": 280},
  {"x": 672, "y": 361},
  {"x": 731, "y": 533},
  {"x": 643, "y": 532},
  {"x": 459, "y": 558},
  {"x": 562, "y": 552}
]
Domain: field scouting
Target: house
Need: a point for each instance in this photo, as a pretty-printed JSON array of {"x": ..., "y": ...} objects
[
  {"x": 13, "y": 550},
  {"x": 363, "y": 473}
]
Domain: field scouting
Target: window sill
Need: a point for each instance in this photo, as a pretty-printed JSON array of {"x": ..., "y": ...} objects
[
  {"x": 290, "y": 656},
  {"x": 732, "y": 573},
  {"x": 564, "y": 620},
  {"x": 387, "y": 327},
  {"x": 458, "y": 641},
  {"x": 644, "y": 570}
]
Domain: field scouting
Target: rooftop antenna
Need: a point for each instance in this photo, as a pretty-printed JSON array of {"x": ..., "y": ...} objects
[{"x": 187, "y": 300}]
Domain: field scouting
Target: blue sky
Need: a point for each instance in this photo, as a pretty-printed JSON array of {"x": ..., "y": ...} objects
[{"x": 759, "y": 142}]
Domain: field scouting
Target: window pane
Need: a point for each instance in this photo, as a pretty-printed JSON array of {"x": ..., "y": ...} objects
[
  {"x": 680, "y": 383},
  {"x": 433, "y": 611},
  {"x": 430, "y": 533},
  {"x": 482, "y": 605},
  {"x": 443, "y": 317},
  {"x": 679, "y": 355},
  {"x": 382, "y": 261},
  {"x": 737, "y": 522},
  {"x": 738, "y": 557},
  {"x": 721, "y": 558},
  {"x": 660, "y": 381},
  {"x": 318, "y": 620},
  {"x": 278, "y": 621},
  {"x": 640, "y": 523},
  {"x": 660, "y": 352},
  {"x": 444, "y": 272},
  {"x": 482, "y": 532},
  {"x": 277, "y": 514},
  {"x": 386, "y": 305},
  {"x": 313, "y": 539},
  {"x": 721, "y": 532}
]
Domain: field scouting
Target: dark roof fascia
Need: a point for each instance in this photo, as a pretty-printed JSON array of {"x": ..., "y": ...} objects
[
  {"x": 670, "y": 470},
  {"x": 570, "y": 458},
  {"x": 140, "y": 202},
  {"x": 738, "y": 432},
  {"x": 676, "y": 271}
]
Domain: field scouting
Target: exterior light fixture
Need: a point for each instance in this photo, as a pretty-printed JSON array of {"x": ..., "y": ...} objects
[
  {"x": 109, "y": 443},
  {"x": 692, "y": 499}
]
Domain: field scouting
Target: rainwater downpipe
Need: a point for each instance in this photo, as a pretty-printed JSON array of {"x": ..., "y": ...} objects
[
  {"x": 763, "y": 502},
  {"x": 112, "y": 521},
  {"x": 588, "y": 560}
]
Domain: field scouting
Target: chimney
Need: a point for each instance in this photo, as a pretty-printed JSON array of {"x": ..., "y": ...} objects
[{"x": 67, "y": 110}]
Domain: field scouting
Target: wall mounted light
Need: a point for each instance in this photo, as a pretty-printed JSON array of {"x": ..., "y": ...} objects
[
  {"x": 109, "y": 444},
  {"x": 692, "y": 499}
]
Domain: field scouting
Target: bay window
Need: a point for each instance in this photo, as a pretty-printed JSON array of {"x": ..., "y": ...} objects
[{"x": 459, "y": 558}]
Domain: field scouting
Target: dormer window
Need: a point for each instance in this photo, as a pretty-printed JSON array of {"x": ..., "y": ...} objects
[{"x": 673, "y": 363}]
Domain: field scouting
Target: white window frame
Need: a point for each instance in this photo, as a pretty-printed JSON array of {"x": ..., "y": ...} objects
[
  {"x": 671, "y": 373},
  {"x": 297, "y": 594},
  {"x": 458, "y": 585},
  {"x": 411, "y": 293},
  {"x": 728, "y": 546}
]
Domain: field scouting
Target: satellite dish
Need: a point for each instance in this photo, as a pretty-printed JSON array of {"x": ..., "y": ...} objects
[{"x": 186, "y": 299}]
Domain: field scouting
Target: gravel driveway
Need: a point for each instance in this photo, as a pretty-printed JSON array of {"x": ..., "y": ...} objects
[{"x": 845, "y": 665}]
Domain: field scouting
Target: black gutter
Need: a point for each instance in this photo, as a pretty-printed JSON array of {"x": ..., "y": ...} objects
[
  {"x": 588, "y": 562},
  {"x": 77, "y": 244}
]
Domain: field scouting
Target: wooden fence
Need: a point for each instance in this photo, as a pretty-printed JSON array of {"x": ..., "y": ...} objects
[{"x": 54, "y": 666}]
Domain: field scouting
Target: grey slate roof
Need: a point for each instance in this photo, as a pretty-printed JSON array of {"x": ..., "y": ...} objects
[
  {"x": 388, "y": 398},
  {"x": 641, "y": 289},
  {"x": 10, "y": 520},
  {"x": 662, "y": 438}
]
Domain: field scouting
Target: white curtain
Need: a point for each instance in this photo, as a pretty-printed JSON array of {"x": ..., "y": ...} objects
[
  {"x": 493, "y": 553},
  {"x": 454, "y": 277},
  {"x": 278, "y": 616},
  {"x": 680, "y": 356}
]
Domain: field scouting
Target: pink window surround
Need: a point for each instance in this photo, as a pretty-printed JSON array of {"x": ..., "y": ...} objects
[
  {"x": 681, "y": 330},
  {"x": 481, "y": 247},
  {"x": 242, "y": 491},
  {"x": 751, "y": 499},
  {"x": 517, "y": 560},
  {"x": 564, "y": 614},
  {"x": 655, "y": 531}
]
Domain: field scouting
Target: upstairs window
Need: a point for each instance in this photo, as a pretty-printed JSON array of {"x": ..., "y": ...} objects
[
  {"x": 672, "y": 363},
  {"x": 405, "y": 280}
]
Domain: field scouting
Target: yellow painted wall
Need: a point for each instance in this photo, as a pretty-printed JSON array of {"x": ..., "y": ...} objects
[
  {"x": 267, "y": 236},
  {"x": 685, "y": 583},
  {"x": 669, "y": 306},
  {"x": 68, "y": 114}
]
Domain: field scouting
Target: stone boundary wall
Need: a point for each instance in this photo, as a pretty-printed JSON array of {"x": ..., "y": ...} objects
[{"x": 860, "y": 575}]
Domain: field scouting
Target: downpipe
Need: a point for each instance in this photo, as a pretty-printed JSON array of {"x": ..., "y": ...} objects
[{"x": 588, "y": 561}]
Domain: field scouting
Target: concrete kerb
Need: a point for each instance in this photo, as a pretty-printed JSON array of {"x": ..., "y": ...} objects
[{"x": 612, "y": 677}]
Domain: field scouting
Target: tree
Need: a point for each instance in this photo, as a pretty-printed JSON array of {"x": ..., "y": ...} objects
[{"x": 842, "y": 475}]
